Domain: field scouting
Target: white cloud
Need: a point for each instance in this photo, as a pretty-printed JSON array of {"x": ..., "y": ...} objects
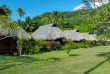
[
  {"x": 93, "y": 4},
  {"x": 79, "y": 7},
  {"x": 97, "y": 4}
]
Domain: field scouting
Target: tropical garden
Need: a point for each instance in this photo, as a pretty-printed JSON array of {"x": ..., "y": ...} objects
[{"x": 40, "y": 56}]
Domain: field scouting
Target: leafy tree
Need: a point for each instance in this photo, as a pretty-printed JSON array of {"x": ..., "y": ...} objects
[
  {"x": 7, "y": 10},
  {"x": 20, "y": 45},
  {"x": 37, "y": 17},
  {"x": 45, "y": 14}
]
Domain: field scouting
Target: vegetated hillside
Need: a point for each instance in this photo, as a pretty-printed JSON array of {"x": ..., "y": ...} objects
[{"x": 83, "y": 20}]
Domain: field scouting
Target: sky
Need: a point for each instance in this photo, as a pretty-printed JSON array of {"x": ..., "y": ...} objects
[{"x": 37, "y": 7}]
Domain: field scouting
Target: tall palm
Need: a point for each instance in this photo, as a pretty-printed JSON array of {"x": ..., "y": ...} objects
[
  {"x": 55, "y": 16},
  {"x": 48, "y": 19},
  {"x": 28, "y": 24},
  {"x": 61, "y": 21},
  {"x": 20, "y": 13}
]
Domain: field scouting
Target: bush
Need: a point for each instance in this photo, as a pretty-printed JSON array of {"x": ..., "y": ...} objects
[
  {"x": 106, "y": 43},
  {"x": 54, "y": 45},
  {"x": 90, "y": 43},
  {"x": 36, "y": 49},
  {"x": 74, "y": 45},
  {"x": 98, "y": 43},
  {"x": 69, "y": 41},
  {"x": 77, "y": 45},
  {"x": 15, "y": 54},
  {"x": 20, "y": 43},
  {"x": 46, "y": 46},
  {"x": 67, "y": 48},
  {"x": 83, "y": 45}
]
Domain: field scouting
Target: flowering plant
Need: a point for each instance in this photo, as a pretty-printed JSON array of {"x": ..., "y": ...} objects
[{"x": 54, "y": 45}]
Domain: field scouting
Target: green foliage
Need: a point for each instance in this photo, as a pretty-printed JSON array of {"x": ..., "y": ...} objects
[
  {"x": 6, "y": 10},
  {"x": 34, "y": 46},
  {"x": 98, "y": 43},
  {"x": 30, "y": 46},
  {"x": 43, "y": 44},
  {"x": 85, "y": 44},
  {"x": 82, "y": 45},
  {"x": 20, "y": 45},
  {"x": 67, "y": 48},
  {"x": 15, "y": 54}
]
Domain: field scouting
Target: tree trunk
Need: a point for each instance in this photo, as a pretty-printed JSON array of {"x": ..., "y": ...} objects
[{"x": 20, "y": 51}]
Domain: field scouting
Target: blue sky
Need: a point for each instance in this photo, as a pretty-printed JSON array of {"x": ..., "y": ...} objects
[{"x": 37, "y": 7}]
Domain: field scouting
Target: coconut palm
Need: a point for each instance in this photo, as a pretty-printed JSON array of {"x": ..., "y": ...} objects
[
  {"x": 20, "y": 13},
  {"x": 55, "y": 16}
]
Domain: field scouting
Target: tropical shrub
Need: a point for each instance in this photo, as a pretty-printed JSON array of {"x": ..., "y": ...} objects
[
  {"x": 106, "y": 43},
  {"x": 82, "y": 45},
  {"x": 98, "y": 43},
  {"x": 36, "y": 49},
  {"x": 46, "y": 46},
  {"x": 54, "y": 45},
  {"x": 67, "y": 48},
  {"x": 31, "y": 47},
  {"x": 90, "y": 43},
  {"x": 15, "y": 54},
  {"x": 74, "y": 45},
  {"x": 20, "y": 45}
]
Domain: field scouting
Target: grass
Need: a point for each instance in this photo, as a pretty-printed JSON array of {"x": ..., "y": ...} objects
[{"x": 81, "y": 61}]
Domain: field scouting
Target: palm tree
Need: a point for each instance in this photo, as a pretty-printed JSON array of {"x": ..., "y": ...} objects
[
  {"x": 48, "y": 19},
  {"x": 55, "y": 16},
  {"x": 20, "y": 13},
  {"x": 28, "y": 24},
  {"x": 62, "y": 21}
]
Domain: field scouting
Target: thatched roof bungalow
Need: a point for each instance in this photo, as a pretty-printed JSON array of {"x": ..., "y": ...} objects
[
  {"x": 14, "y": 33},
  {"x": 8, "y": 38},
  {"x": 48, "y": 32},
  {"x": 73, "y": 35}
]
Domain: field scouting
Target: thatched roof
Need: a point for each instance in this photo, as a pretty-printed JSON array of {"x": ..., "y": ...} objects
[
  {"x": 86, "y": 35},
  {"x": 89, "y": 36},
  {"x": 48, "y": 32},
  {"x": 92, "y": 37},
  {"x": 14, "y": 33},
  {"x": 73, "y": 35}
]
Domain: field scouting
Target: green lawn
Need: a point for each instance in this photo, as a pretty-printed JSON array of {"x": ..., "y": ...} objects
[{"x": 80, "y": 61}]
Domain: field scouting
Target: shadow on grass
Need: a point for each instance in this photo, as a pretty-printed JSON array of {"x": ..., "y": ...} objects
[
  {"x": 9, "y": 62},
  {"x": 74, "y": 55},
  {"x": 55, "y": 59},
  {"x": 43, "y": 51},
  {"x": 102, "y": 54}
]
